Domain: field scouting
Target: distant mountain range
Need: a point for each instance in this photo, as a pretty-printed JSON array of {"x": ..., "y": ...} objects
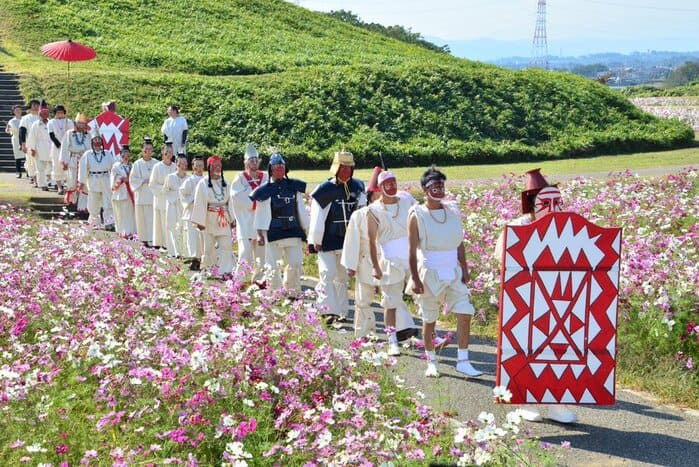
[{"x": 516, "y": 54}]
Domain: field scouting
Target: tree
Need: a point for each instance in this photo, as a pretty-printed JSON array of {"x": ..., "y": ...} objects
[{"x": 683, "y": 74}]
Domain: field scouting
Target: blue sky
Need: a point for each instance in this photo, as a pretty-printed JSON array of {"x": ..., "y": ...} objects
[{"x": 574, "y": 27}]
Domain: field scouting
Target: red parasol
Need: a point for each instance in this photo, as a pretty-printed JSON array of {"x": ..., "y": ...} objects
[{"x": 68, "y": 51}]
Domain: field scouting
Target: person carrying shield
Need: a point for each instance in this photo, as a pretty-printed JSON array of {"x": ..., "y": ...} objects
[{"x": 94, "y": 171}]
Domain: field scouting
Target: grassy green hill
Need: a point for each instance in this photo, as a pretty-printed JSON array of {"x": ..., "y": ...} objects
[
  {"x": 272, "y": 73},
  {"x": 686, "y": 90}
]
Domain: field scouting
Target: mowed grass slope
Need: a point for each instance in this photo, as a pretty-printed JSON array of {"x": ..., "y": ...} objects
[{"x": 274, "y": 74}]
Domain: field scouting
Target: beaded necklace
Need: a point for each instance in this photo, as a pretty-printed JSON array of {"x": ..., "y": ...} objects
[
  {"x": 437, "y": 220},
  {"x": 78, "y": 139},
  {"x": 218, "y": 196},
  {"x": 101, "y": 158}
]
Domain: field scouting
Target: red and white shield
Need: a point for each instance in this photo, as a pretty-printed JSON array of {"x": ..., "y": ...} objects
[
  {"x": 114, "y": 130},
  {"x": 558, "y": 311}
]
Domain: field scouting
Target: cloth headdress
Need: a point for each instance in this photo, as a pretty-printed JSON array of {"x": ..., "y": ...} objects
[
  {"x": 341, "y": 158},
  {"x": 534, "y": 182},
  {"x": 80, "y": 118},
  {"x": 95, "y": 133},
  {"x": 250, "y": 152},
  {"x": 373, "y": 185},
  {"x": 211, "y": 160},
  {"x": 386, "y": 175}
]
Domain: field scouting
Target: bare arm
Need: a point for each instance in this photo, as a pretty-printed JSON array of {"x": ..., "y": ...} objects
[
  {"x": 461, "y": 255},
  {"x": 372, "y": 230},
  {"x": 413, "y": 240}
]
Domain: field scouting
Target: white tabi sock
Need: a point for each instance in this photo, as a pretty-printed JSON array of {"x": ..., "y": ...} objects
[
  {"x": 431, "y": 356},
  {"x": 392, "y": 338},
  {"x": 462, "y": 354}
]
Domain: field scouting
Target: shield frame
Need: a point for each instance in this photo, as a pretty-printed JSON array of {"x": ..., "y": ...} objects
[{"x": 559, "y": 290}]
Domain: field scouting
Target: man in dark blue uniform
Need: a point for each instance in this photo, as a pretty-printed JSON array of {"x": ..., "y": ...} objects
[
  {"x": 332, "y": 204},
  {"x": 281, "y": 222}
]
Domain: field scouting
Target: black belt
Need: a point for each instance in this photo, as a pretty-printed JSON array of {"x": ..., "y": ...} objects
[
  {"x": 100, "y": 173},
  {"x": 286, "y": 218}
]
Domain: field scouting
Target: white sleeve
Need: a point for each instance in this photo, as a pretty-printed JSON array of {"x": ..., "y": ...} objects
[
  {"x": 82, "y": 169},
  {"x": 201, "y": 203},
  {"x": 350, "y": 247},
  {"x": 154, "y": 183},
  {"x": 187, "y": 192},
  {"x": 302, "y": 213},
  {"x": 135, "y": 178},
  {"x": 263, "y": 215},
  {"x": 361, "y": 201},
  {"x": 31, "y": 137},
  {"x": 316, "y": 230}
]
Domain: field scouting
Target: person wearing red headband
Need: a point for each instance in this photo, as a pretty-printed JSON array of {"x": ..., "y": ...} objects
[
  {"x": 156, "y": 183},
  {"x": 143, "y": 196},
  {"x": 538, "y": 199},
  {"x": 212, "y": 213},
  {"x": 39, "y": 144}
]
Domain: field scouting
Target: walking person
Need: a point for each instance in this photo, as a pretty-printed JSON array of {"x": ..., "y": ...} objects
[
  {"x": 58, "y": 126},
  {"x": 387, "y": 222},
  {"x": 75, "y": 143},
  {"x": 174, "y": 210},
  {"x": 213, "y": 215},
  {"x": 12, "y": 129},
  {"x": 250, "y": 254},
  {"x": 25, "y": 124},
  {"x": 123, "y": 201},
  {"x": 139, "y": 178},
  {"x": 194, "y": 237},
  {"x": 539, "y": 198},
  {"x": 39, "y": 145},
  {"x": 332, "y": 205},
  {"x": 94, "y": 172},
  {"x": 156, "y": 183},
  {"x": 281, "y": 222},
  {"x": 438, "y": 279}
]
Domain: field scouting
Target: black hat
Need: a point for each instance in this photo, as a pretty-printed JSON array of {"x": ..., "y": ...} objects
[
  {"x": 168, "y": 143},
  {"x": 125, "y": 147},
  {"x": 59, "y": 108},
  {"x": 147, "y": 140}
]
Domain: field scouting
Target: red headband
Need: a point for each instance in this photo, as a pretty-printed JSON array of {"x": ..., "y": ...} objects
[{"x": 211, "y": 160}]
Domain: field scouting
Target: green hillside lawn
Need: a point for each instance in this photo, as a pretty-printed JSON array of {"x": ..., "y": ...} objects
[
  {"x": 687, "y": 90},
  {"x": 274, "y": 74}
]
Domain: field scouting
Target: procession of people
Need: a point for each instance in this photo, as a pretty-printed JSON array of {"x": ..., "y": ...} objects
[{"x": 380, "y": 237}]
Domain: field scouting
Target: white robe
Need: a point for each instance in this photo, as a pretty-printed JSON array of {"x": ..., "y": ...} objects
[
  {"x": 73, "y": 147},
  {"x": 94, "y": 171},
  {"x": 26, "y": 122},
  {"x": 59, "y": 128},
  {"x": 156, "y": 184},
  {"x": 124, "y": 214},
  {"x": 174, "y": 211},
  {"x": 140, "y": 175},
  {"x": 173, "y": 129},
  {"x": 213, "y": 209},
  {"x": 195, "y": 239}
]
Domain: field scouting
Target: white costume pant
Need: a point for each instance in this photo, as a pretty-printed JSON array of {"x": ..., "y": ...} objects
[
  {"x": 124, "y": 217},
  {"x": 144, "y": 222},
  {"x": 159, "y": 227},
  {"x": 364, "y": 320},
  {"x": 252, "y": 254},
  {"x": 332, "y": 286},
  {"x": 97, "y": 200},
  {"x": 218, "y": 250},
  {"x": 58, "y": 174},
  {"x": 195, "y": 242},
  {"x": 176, "y": 239},
  {"x": 43, "y": 171},
  {"x": 30, "y": 166},
  {"x": 290, "y": 251}
]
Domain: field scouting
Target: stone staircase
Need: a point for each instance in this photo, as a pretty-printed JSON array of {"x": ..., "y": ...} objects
[{"x": 9, "y": 96}]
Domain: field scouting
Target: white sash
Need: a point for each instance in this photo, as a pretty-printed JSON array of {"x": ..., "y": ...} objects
[
  {"x": 443, "y": 262},
  {"x": 396, "y": 249}
]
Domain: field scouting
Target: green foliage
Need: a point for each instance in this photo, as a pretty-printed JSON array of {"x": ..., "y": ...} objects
[
  {"x": 683, "y": 74},
  {"x": 310, "y": 84},
  {"x": 396, "y": 32}
]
